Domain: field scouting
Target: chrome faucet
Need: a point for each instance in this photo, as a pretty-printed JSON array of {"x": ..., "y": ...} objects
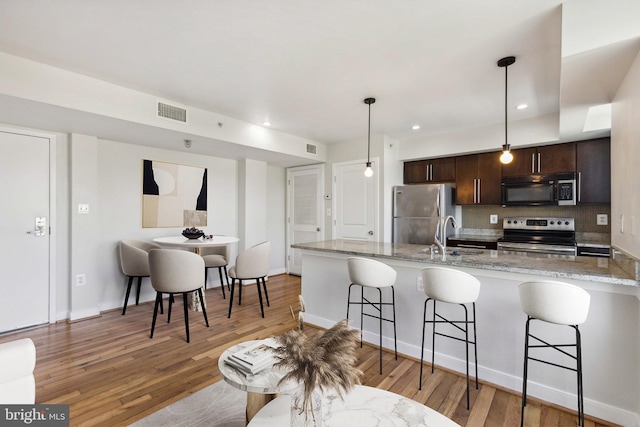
[{"x": 440, "y": 237}]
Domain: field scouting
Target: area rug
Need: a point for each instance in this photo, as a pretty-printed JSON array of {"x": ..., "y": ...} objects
[{"x": 218, "y": 405}]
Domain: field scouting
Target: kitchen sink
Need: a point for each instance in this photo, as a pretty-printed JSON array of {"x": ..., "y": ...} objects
[{"x": 455, "y": 251}]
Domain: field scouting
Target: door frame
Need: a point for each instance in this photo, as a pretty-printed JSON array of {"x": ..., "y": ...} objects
[
  {"x": 375, "y": 162},
  {"x": 319, "y": 167},
  {"x": 52, "y": 208}
]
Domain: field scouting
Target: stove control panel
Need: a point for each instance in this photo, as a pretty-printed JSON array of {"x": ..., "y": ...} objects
[{"x": 551, "y": 224}]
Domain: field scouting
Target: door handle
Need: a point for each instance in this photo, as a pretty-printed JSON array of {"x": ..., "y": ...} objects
[
  {"x": 370, "y": 233},
  {"x": 318, "y": 229},
  {"x": 40, "y": 228}
]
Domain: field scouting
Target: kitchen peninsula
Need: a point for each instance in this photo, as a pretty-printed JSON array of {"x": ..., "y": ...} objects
[{"x": 610, "y": 346}]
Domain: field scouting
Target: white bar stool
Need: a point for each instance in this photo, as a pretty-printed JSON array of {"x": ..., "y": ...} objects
[
  {"x": 368, "y": 273},
  {"x": 453, "y": 287},
  {"x": 562, "y": 304}
]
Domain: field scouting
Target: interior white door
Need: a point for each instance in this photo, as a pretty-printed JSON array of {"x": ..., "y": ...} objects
[
  {"x": 355, "y": 202},
  {"x": 24, "y": 230},
  {"x": 304, "y": 211}
]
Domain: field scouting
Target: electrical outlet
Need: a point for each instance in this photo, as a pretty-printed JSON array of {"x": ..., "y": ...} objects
[
  {"x": 602, "y": 219},
  {"x": 83, "y": 208},
  {"x": 419, "y": 284},
  {"x": 493, "y": 219},
  {"x": 81, "y": 279}
]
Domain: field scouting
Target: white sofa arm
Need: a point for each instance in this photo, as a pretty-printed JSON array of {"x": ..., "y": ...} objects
[{"x": 17, "y": 362}]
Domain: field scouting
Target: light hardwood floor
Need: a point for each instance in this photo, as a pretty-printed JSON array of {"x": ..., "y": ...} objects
[{"x": 111, "y": 374}]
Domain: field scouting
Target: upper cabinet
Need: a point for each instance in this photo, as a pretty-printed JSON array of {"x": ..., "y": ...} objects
[
  {"x": 433, "y": 170},
  {"x": 478, "y": 179},
  {"x": 593, "y": 167},
  {"x": 558, "y": 158}
]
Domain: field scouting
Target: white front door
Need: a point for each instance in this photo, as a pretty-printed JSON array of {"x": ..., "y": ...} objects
[
  {"x": 355, "y": 202},
  {"x": 24, "y": 230},
  {"x": 304, "y": 211}
]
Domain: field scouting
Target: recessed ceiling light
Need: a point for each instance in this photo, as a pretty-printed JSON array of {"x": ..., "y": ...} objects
[
  {"x": 415, "y": 127},
  {"x": 521, "y": 107},
  {"x": 266, "y": 123}
]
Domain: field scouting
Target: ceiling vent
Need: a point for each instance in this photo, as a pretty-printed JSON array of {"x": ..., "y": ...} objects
[
  {"x": 311, "y": 149},
  {"x": 172, "y": 112}
]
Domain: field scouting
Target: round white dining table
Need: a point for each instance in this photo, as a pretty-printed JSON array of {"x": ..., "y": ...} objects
[
  {"x": 195, "y": 245},
  {"x": 363, "y": 407}
]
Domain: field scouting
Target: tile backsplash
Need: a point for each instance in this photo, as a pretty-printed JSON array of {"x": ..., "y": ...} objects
[{"x": 477, "y": 217}]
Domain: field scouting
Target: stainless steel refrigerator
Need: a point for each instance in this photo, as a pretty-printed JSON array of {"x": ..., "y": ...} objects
[{"x": 417, "y": 210}]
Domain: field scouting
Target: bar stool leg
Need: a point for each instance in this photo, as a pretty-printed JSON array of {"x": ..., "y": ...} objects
[
  {"x": 475, "y": 343},
  {"x": 380, "y": 319},
  {"x": 424, "y": 323},
  {"x": 393, "y": 302},
  {"x": 466, "y": 344},
  {"x": 524, "y": 375},
  {"x": 433, "y": 339},
  {"x": 579, "y": 367}
]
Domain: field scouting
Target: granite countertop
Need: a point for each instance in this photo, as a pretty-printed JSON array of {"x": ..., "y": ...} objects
[{"x": 595, "y": 269}]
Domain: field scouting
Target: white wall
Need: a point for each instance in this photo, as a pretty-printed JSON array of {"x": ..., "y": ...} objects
[
  {"x": 112, "y": 185},
  {"x": 276, "y": 217},
  {"x": 625, "y": 175},
  {"x": 534, "y": 131},
  {"x": 386, "y": 151},
  {"x": 119, "y": 209}
]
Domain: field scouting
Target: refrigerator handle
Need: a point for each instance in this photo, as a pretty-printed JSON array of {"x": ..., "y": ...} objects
[{"x": 438, "y": 204}]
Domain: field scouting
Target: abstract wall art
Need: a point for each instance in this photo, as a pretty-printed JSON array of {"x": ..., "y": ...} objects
[{"x": 173, "y": 195}]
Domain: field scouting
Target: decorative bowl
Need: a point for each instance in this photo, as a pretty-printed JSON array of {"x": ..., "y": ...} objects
[{"x": 192, "y": 235}]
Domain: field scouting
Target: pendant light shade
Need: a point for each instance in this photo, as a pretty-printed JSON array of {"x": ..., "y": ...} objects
[
  {"x": 506, "y": 156},
  {"x": 368, "y": 171}
]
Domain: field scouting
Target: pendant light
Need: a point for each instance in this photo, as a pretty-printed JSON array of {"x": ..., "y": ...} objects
[
  {"x": 367, "y": 170},
  {"x": 506, "y": 157}
]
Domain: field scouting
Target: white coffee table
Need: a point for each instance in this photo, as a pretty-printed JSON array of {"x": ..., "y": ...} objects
[
  {"x": 363, "y": 407},
  {"x": 261, "y": 388}
]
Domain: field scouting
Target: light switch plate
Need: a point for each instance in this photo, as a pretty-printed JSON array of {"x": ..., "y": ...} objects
[{"x": 602, "y": 219}]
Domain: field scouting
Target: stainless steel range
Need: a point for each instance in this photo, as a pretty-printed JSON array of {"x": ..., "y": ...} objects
[{"x": 539, "y": 235}]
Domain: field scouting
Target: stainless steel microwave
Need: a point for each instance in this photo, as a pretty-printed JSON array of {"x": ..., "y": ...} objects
[{"x": 539, "y": 190}]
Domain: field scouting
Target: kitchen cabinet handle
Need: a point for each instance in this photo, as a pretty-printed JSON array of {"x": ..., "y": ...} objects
[
  {"x": 579, "y": 185},
  {"x": 466, "y": 245},
  {"x": 479, "y": 191},
  {"x": 538, "y": 162},
  {"x": 430, "y": 172},
  {"x": 474, "y": 191},
  {"x": 533, "y": 163}
]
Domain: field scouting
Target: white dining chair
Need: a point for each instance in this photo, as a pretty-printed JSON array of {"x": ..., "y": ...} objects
[
  {"x": 252, "y": 264},
  {"x": 174, "y": 271},
  {"x": 134, "y": 261}
]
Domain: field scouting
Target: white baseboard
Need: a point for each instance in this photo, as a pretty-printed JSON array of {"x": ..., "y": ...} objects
[{"x": 548, "y": 394}]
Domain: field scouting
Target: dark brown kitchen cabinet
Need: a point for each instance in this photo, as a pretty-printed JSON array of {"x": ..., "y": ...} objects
[
  {"x": 478, "y": 179},
  {"x": 557, "y": 158},
  {"x": 593, "y": 167},
  {"x": 432, "y": 170}
]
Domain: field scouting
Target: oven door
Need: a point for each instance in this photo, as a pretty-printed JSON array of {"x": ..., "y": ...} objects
[{"x": 541, "y": 248}]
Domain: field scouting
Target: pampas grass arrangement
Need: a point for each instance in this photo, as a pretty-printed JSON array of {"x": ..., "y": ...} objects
[{"x": 320, "y": 363}]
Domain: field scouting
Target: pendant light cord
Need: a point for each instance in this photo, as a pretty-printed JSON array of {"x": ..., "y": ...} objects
[
  {"x": 369, "y": 137},
  {"x": 506, "y": 141}
]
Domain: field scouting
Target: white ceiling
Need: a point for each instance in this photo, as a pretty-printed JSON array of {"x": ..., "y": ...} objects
[{"x": 307, "y": 66}]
